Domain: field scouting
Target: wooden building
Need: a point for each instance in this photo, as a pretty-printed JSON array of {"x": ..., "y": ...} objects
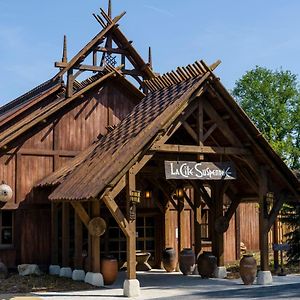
[{"x": 76, "y": 150}]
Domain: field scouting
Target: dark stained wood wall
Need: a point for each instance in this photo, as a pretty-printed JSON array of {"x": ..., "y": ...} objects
[{"x": 48, "y": 149}]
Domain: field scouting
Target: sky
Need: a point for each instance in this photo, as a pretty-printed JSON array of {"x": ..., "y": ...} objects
[{"x": 242, "y": 34}]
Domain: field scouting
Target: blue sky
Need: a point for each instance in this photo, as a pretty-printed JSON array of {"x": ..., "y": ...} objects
[{"x": 240, "y": 33}]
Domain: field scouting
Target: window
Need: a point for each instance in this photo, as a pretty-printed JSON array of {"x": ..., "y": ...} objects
[{"x": 6, "y": 228}]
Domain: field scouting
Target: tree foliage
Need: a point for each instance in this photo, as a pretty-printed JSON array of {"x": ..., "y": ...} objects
[{"x": 272, "y": 101}]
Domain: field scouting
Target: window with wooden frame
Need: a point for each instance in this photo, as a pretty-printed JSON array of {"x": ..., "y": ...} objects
[{"x": 6, "y": 228}]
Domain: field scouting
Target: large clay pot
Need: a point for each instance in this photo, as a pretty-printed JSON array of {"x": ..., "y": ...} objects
[
  {"x": 169, "y": 259},
  {"x": 207, "y": 264},
  {"x": 187, "y": 261},
  {"x": 109, "y": 269},
  {"x": 248, "y": 269}
]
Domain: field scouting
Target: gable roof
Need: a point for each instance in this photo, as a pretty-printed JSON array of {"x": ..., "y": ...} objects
[
  {"x": 46, "y": 110},
  {"x": 27, "y": 98},
  {"x": 89, "y": 173},
  {"x": 94, "y": 170}
]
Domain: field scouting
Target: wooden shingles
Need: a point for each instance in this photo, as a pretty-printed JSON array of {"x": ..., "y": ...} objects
[
  {"x": 175, "y": 77},
  {"x": 91, "y": 172}
]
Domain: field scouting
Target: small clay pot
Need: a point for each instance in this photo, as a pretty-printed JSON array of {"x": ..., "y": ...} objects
[
  {"x": 248, "y": 269},
  {"x": 109, "y": 269},
  {"x": 169, "y": 259},
  {"x": 207, "y": 264},
  {"x": 187, "y": 261}
]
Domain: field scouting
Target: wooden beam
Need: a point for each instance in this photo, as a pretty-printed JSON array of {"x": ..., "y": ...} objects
[
  {"x": 131, "y": 239},
  {"x": 95, "y": 240},
  {"x": 65, "y": 234},
  {"x": 82, "y": 67},
  {"x": 197, "y": 221},
  {"x": 81, "y": 212},
  {"x": 275, "y": 210},
  {"x": 89, "y": 47},
  {"x": 199, "y": 149},
  {"x": 223, "y": 126},
  {"x": 190, "y": 131},
  {"x": 237, "y": 234},
  {"x": 78, "y": 238},
  {"x": 209, "y": 131},
  {"x": 54, "y": 234},
  {"x": 263, "y": 221},
  {"x": 113, "y": 50},
  {"x": 117, "y": 214}
]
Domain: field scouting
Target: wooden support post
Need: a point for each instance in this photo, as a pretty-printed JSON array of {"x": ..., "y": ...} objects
[
  {"x": 70, "y": 81},
  {"x": 131, "y": 238},
  {"x": 238, "y": 233},
  {"x": 95, "y": 240},
  {"x": 218, "y": 236},
  {"x": 263, "y": 221},
  {"x": 180, "y": 216},
  {"x": 276, "y": 241},
  {"x": 54, "y": 234},
  {"x": 77, "y": 242},
  {"x": 200, "y": 128},
  {"x": 65, "y": 234},
  {"x": 197, "y": 222}
]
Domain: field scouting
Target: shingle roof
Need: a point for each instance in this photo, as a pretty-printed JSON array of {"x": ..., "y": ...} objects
[
  {"x": 89, "y": 173},
  {"x": 21, "y": 101}
]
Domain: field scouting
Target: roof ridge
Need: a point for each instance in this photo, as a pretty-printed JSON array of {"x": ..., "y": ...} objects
[
  {"x": 177, "y": 76},
  {"x": 28, "y": 95}
]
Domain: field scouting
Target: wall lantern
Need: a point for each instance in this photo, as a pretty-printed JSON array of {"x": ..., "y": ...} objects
[
  {"x": 6, "y": 192},
  {"x": 148, "y": 194},
  {"x": 269, "y": 197},
  {"x": 135, "y": 197},
  {"x": 178, "y": 194}
]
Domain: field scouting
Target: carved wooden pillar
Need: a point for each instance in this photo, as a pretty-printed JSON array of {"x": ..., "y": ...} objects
[{"x": 131, "y": 238}]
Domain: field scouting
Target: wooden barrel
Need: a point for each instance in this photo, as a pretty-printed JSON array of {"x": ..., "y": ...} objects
[
  {"x": 169, "y": 259},
  {"x": 248, "y": 269},
  {"x": 187, "y": 261},
  {"x": 109, "y": 269},
  {"x": 207, "y": 264}
]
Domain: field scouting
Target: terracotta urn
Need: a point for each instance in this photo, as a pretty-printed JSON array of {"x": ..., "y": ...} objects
[
  {"x": 207, "y": 264},
  {"x": 187, "y": 261},
  {"x": 109, "y": 269},
  {"x": 248, "y": 269},
  {"x": 169, "y": 259}
]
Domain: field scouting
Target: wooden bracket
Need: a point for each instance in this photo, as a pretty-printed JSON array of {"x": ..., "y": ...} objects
[{"x": 81, "y": 212}]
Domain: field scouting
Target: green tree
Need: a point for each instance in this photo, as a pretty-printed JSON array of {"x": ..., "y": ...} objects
[{"x": 272, "y": 101}]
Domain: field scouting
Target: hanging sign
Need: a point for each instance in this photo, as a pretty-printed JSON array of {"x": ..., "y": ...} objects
[{"x": 200, "y": 170}]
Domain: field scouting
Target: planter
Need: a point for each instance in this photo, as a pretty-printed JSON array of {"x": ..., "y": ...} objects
[
  {"x": 187, "y": 261},
  {"x": 248, "y": 269},
  {"x": 207, "y": 264},
  {"x": 109, "y": 269},
  {"x": 169, "y": 259}
]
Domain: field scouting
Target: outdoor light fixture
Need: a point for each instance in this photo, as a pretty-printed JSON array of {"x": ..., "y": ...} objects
[
  {"x": 148, "y": 194},
  {"x": 178, "y": 194},
  {"x": 269, "y": 197},
  {"x": 135, "y": 197}
]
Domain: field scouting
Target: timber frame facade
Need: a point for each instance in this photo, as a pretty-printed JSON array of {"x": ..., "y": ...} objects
[{"x": 75, "y": 151}]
